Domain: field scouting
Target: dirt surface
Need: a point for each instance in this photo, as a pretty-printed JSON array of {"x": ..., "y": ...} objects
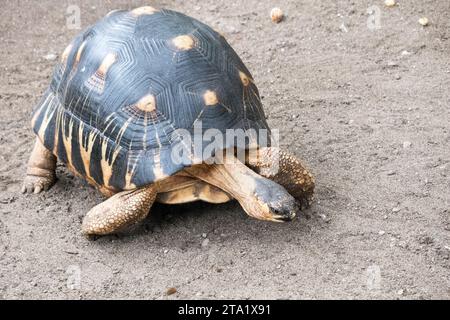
[{"x": 368, "y": 110}]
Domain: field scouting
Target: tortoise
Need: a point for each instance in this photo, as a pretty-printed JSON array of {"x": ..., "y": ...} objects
[{"x": 121, "y": 93}]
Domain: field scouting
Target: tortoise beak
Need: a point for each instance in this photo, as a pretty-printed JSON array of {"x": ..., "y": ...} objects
[{"x": 284, "y": 217}]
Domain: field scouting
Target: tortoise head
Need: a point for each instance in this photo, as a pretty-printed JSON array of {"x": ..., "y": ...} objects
[{"x": 273, "y": 201}]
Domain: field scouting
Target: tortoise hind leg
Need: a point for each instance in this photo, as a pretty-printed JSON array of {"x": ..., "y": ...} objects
[
  {"x": 121, "y": 210},
  {"x": 285, "y": 169},
  {"x": 41, "y": 170}
]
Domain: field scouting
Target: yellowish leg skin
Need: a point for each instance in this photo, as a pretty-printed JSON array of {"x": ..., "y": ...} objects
[
  {"x": 259, "y": 197},
  {"x": 285, "y": 169},
  {"x": 121, "y": 210},
  {"x": 40, "y": 171}
]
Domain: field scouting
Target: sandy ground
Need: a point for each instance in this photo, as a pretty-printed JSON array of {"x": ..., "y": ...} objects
[{"x": 368, "y": 109}]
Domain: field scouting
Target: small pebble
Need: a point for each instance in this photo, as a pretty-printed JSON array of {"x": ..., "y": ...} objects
[
  {"x": 391, "y": 173},
  {"x": 389, "y": 3},
  {"x": 204, "y": 235},
  {"x": 50, "y": 57},
  {"x": 343, "y": 27},
  {"x": 407, "y": 144},
  {"x": 276, "y": 15},
  {"x": 205, "y": 243},
  {"x": 424, "y": 21},
  {"x": 381, "y": 232},
  {"x": 396, "y": 209},
  {"x": 171, "y": 291}
]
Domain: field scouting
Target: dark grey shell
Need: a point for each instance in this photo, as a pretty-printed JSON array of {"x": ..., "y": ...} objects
[{"x": 126, "y": 85}]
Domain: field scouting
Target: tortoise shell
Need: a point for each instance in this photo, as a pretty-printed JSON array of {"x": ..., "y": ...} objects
[{"x": 125, "y": 86}]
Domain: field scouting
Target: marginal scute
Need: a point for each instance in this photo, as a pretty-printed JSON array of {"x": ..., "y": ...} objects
[
  {"x": 111, "y": 12},
  {"x": 183, "y": 42},
  {"x": 79, "y": 52},
  {"x": 244, "y": 79},
  {"x": 66, "y": 53},
  {"x": 219, "y": 32},
  {"x": 210, "y": 98},
  {"x": 143, "y": 10},
  {"x": 147, "y": 103}
]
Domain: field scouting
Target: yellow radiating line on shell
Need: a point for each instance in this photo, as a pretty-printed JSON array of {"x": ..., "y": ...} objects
[
  {"x": 59, "y": 113},
  {"x": 122, "y": 131},
  {"x": 128, "y": 184},
  {"x": 67, "y": 140},
  {"x": 86, "y": 152},
  {"x": 105, "y": 164},
  {"x": 48, "y": 115},
  {"x": 39, "y": 110},
  {"x": 157, "y": 169}
]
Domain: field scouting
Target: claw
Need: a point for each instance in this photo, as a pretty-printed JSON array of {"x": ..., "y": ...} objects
[
  {"x": 36, "y": 184},
  {"x": 37, "y": 189}
]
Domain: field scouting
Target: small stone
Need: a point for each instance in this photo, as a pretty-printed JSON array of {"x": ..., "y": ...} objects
[
  {"x": 406, "y": 53},
  {"x": 381, "y": 232},
  {"x": 391, "y": 173},
  {"x": 204, "y": 235},
  {"x": 343, "y": 28},
  {"x": 276, "y": 15},
  {"x": 50, "y": 57},
  {"x": 392, "y": 64},
  {"x": 171, "y": 291},
  {"x": 424, "y": 21},
  {"x": 389, "y": 3},
  {"x": 205, "y": 243},
  {"x": 323, "y": 217},
  {"x": 396, "y": 209},
  {"x": 398, "y": 77},
  {"x": 401, "y": 292},
  {"x": 407, "y": 144}
]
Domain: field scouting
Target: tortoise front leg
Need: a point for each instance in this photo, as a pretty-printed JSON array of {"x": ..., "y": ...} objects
[
  {"x": 41, "y": 170},
  {"x": 285, "y": 169},
  {"x": 121, "y": 210},
  {"x": 261, "y": 198}
]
